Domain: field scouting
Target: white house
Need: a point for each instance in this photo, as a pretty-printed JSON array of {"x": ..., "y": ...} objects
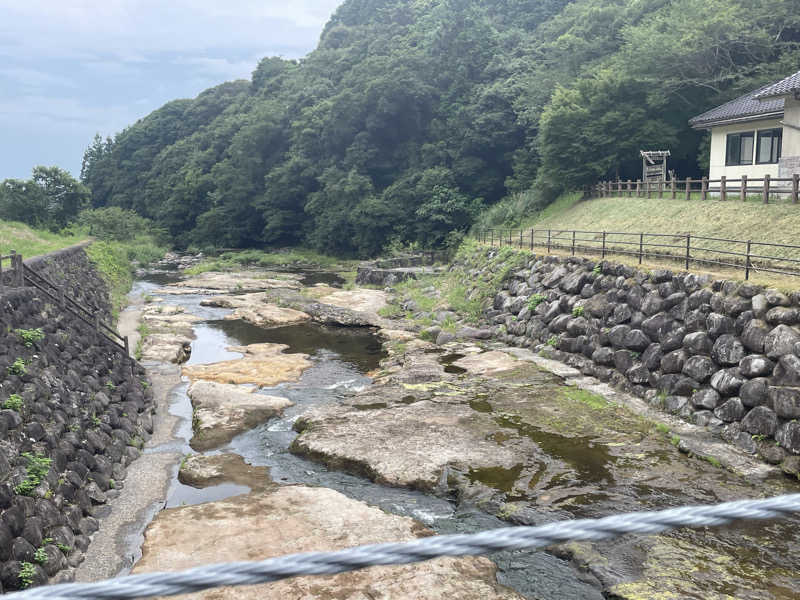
[{"x": 756, "y": 134}]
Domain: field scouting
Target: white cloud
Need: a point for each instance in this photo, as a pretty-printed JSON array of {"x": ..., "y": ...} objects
[{"x": 70, "y": 69}]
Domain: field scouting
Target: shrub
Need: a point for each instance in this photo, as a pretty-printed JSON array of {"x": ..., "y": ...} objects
[
  {"x": 30, "y": 336},
  {"x": 17, "y": 367},
  {"x": 37, "y": 468},
  {"x": 535, "y": 301},
  {"x": 14, "y": 402}
]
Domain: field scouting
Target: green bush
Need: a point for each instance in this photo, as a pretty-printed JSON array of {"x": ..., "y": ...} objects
[
  {"x": 37, "y": 467},
  {"x": 535, "y": 301},
  {"x": 30, "y": 336},
  {"x": 17, "y": 367},
  {"x": 14, "y": 402}
]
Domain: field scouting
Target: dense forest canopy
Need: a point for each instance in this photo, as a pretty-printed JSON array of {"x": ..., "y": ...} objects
[{"x": 412, "y": 116}]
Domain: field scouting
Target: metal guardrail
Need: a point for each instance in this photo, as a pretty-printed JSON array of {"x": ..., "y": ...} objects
[
  {"x": 686, "y": 249},
  {"x": 21, "y": 274}
]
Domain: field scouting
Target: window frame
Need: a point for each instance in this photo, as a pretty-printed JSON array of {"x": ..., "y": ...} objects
[
  {"x": 771, "y": 131},
  {"x": 751, "y": 134}
]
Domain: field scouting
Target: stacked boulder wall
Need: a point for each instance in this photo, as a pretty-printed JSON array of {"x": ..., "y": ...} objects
[
  {"x": 73, "y": 412},
  {"x": 719, "y": 353}
]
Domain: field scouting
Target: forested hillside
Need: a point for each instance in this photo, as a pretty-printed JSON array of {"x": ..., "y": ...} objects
[{"x": 412, "y": 116}]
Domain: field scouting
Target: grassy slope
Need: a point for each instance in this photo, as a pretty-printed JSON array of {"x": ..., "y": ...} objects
[
  {"x": 773, "y": 223},
  {"x": 31, "y": 242}
]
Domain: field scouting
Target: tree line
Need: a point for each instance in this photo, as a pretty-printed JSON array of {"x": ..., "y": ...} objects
[{"x": 413, "y": 117}]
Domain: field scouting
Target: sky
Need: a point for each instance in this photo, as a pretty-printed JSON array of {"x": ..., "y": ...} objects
[{"x": 73, "y": 68}]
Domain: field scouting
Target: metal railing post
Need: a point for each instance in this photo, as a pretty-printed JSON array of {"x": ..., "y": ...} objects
[
  {"x": 492, "y": 232},
  {"x": 532, "y": 233},
  {"x": 604, "y": 245},
  {"x": 549, "y": 233},
  {"x": 520, "y": 239},
  {"x": 672, "y": 187},
  {"x": 688, "y": 249},
  {"x": 641, "y": 247},
  {"x": 573, "y": 242},
  {"x": 747, "y": 261}
]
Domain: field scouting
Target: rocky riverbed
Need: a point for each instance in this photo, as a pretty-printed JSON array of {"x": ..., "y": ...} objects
[{"x": 341, "y": 427}]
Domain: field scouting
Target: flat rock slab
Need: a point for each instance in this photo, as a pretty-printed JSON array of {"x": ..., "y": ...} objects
[
  {"x": 300, "y": 519},
  {"x": 165, "y": 347},
  {"x": 223, "y": 411},
  {"x": 264, "y": 365},
  {"x": 269, "y": 315},
  {"x": 235, "y": 282},
  {"x": 202, "y": 471},
  {"x": 405, "y": 445},
  {"x": 488, "y": 363},
  {"x": 366, "y": 301}
]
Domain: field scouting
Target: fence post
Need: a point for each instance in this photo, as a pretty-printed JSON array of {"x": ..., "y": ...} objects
[
  {"x": 704, "y": 189},
  {"x": 532, "y": 231},
  {"x": 688, "y": 248},
  {"x": 630, "y": 188},
  {"x": 549, "y": 232},
  {"x": 688, "y": 189},
  {"x": 510, "y": 233},
  {"x": 638, "y": 187},
  {"x": 127, "y": 348},
  {"x": 573, "y": 242},
  {"x": 641, "y": 247},
  {"x": 97, "y": 323},
  {"x": 18, "y": 273},
  {"x": 765, "y": 197},
  {"x": 1, "y": 273},
  {"x": 648, "y": 188},
  {"x": 672, "y": 187},
  {"x": 604, "y": 245},
  {"x": 520, "y": 239},
  {"x": 661, "y": 188},
  {"x": 795, "y": 187},
  {"x": 743, "y": 191},
  {"x": 747, "y": 261},
  {"x": 723, "y": 185},
  {"x": 61, "y": 296}
]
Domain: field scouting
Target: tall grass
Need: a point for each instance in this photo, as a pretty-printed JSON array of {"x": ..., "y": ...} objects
[
  {"x": 296, "y": 257},
  {"x": 32, "y": 242}
]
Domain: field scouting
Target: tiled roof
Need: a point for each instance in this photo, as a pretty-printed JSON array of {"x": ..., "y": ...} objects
[
  {"x": 782, "y": 88},
  {"x": 746, "y": 107}
]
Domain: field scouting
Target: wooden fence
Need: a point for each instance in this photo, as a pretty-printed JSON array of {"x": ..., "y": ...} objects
[
  {"x": 725, "y": 188},
  {"x": 687, "y": 249},
  {"x": 20, "y": 275}
]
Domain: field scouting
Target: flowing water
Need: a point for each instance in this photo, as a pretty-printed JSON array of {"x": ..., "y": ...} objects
[{"x": 341, "y": 359}]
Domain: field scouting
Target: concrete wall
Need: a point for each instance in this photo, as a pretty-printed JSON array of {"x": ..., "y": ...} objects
[
  {"x": 718, "y": 353},
  {"x": 790, "y": 159},
  {"x": 72, "y": 399},
  {"x": 718, "y": 145}
]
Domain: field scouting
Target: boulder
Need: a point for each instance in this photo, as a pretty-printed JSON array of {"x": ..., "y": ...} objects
[
  {"x": 652, "y": 304},
  {"x": 698, "y": 343},
  {"x": 677, "y": 385},
  {"x": 674, "y": 362},
  {"x": 781, "y": 315},
  {"x": 638, "y": 374},
  {"x": 785, "y": 401},
  {"x": 787, "y": 371},
  {"x": 756, "y": 365},
  {"x": 700, "y": 368},
  {"x": 651, "y": 358},
  {"x": 780, "y": 341},
  {"x": 754, "y": 392},
  {"x": 637, "y": 341},
  {"x": 760, "y": 421},
  {"x": 731, "y": 410},
  {"x": 572, "y": 283},
  {"x": 718, "y": 325},
  {"x": 603, "y": 356},
  {"x": 727, "y": 350},
  {"x": 754, "y": 334},
  {"x": 706, "y": 399},
  {"x": 672, "y": 340},
  {"x": 760, "y": 306},
  {"x": 727, "y": 382},
  {"x": 657, "y": 325},
  {"x": 617, "y": 335},
  {"x": 788, "y": 436}
]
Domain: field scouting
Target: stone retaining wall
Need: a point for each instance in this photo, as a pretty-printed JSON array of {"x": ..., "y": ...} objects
[
  {"x": 69, "y": 398},
  {"x": 722, "y": 354}
]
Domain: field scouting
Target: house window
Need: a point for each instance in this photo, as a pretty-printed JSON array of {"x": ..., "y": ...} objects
[
  {"x": 769, "y": 146},
  {"x": 739, "y": 150}
]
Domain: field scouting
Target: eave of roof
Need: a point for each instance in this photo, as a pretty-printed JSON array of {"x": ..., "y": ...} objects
[
  {"x": 784, "y": 87},
  {"x": 744, "y": 108}
]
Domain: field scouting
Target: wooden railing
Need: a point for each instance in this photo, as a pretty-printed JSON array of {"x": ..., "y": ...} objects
[
  {"x": 686, "y": 249},
  {"x": 725, "y": 188}
]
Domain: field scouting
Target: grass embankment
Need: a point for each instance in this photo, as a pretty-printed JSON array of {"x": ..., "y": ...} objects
[
  {"x": 295, "y": 257},
  {"x": 32, "y": 242},
  {"x": 771, "y": 223},
  {"x": 117, "y": 261}
]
